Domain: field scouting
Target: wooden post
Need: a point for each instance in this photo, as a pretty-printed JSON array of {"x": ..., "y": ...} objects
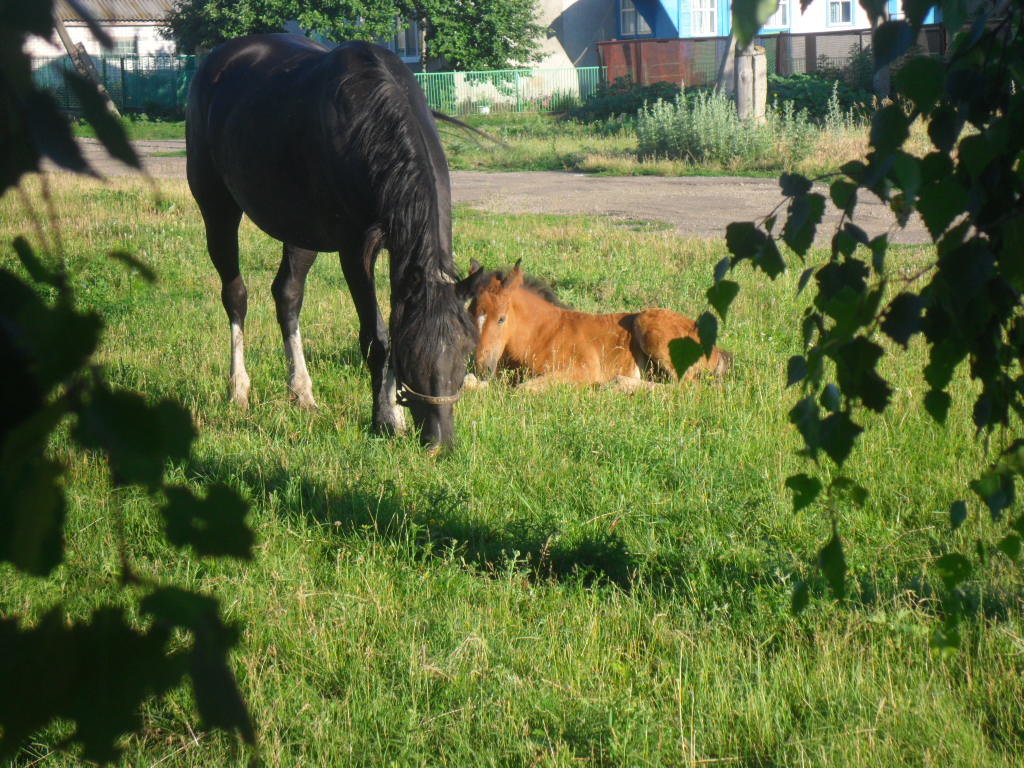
[
  {"x": 83, "y": 63},
  {"x": 751, "y": 83}
]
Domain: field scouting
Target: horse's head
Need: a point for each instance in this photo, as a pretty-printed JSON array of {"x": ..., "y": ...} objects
[
  {"x": 431, "y": 338},
  {"x": 492, "y": 310}
]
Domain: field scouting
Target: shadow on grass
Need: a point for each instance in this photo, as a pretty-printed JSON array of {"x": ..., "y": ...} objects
[{"x": 443, "y": 527}]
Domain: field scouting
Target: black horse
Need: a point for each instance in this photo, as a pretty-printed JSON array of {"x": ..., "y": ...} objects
[{"x": 334, "y": 150}]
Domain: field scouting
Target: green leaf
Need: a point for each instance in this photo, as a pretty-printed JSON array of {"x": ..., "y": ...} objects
[
  {"x": 684, "y": 353},
  {"x": 920, "y": 79},
  {"x": 35, "y": 268},
  {"x": 805, "y": 276},
  {"x": 891, "y": 40},
  {"x": 844, "y": 486},
  {"x": 944, "y": 128},
  {"x": 832, "y": 563},
  {"x": 975, "y": 153},
  {"x": 844, "y": 195},
  {"x": 800, "y": 598},
  {"x": 805, "y": 213},
  {"x": 855, "y": 366},
  {"x": 794, "y": 184},
  {"x": 903, "y": 318},
  {"x": 748, "y": 16},
  {"x": 51, "y": 134},
  {"x": 744, "y": 239},
  {"x": 707, "y": 330},
  {"x": 937, "y": 402},
  {"x": 796, "y": 370},
  {"x": 1009, "y": 545},
  {"x": 722, "y": 269},
  {"x": 805, "y": 417},
  {"x": 996, "y": 489},
  {"x": 879, "y": 247},
  {"x": 831, "y": 398},
  {"x": 957, "y": 514},
  {"x": 940, "y": 203},
  {"x": 838, "y": 431},
  {"x": 212, "y": 526},
  {"x": 954, "y": 569},
  {"x": 138, "y": 438},
  {"x": 805, "y": 489},
  {"x": 721, "y": 295},
  {"x": 889, "y": 129}
]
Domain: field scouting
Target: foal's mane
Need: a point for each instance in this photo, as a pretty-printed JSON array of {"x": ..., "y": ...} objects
[{"x": 535, "y": 286}]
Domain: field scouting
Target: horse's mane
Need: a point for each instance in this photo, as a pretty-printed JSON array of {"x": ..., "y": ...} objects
[
  {"x": 534, "y": 285},
  {"x": 393, "y": 134}
]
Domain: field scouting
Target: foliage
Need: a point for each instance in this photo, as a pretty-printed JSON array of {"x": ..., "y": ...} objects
[
  {"x": 704, "y": 127},
  {"x": 816, "y": 93},
  {"x": 623, "y": 97},
  {"x": 95, "y": 672},
  {"x": 480, "y": 34},
  {"x": 964, "y": 305}
]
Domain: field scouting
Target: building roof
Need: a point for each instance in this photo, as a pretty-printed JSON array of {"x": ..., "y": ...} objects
[{"x": 118, "y": 10}]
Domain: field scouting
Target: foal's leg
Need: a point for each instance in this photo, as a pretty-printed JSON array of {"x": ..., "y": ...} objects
[
  {"x": 288, "y": 289},
  {"x": 374, "y": 343}
]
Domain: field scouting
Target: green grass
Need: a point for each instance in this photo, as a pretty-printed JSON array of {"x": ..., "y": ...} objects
[
  {"x": 138, "y": 128},
  {"x": 588, "y": 579}
]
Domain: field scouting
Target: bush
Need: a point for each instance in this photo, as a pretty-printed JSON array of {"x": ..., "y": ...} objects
[
  {"x": 813, "y": 93},
  {"x": 703, "y": 127},
  {"x": 622, "y": 97}
]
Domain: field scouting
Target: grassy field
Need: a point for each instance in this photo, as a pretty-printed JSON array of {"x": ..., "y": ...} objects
[{"x": 588, "y": 579}]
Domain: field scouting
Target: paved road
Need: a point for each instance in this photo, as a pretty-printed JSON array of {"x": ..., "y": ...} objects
[{"x": 699, "y": 206}]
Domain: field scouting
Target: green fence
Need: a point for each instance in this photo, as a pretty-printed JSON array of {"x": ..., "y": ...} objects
[
  {"x": 159, "y": 85},
  {"x": 154, "y": 84},
  {"x": 509, "y": 90}
]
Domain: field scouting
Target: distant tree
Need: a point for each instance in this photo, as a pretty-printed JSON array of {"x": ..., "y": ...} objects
[{"x": 475, "y": 34}]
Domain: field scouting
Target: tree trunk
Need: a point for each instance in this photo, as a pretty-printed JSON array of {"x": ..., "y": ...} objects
[
  {"x": 83, "y": 63},
  {"x": 726, "y": 80}
]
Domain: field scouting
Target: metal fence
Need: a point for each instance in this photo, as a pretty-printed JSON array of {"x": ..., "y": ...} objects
[
  {"x": 158, "y": 85},
  {"x": 509, "y": 90}
]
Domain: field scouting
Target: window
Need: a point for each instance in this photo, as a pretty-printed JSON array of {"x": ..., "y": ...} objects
[
  {"x": 125, "y": 46},
  {"x": 780, "y": 18},
  {"x": 896, "y": 9},
  {"x": 840, "y": 11},
  {"x": 705, "y": 16},
  {"x": 632, "y": 22}
]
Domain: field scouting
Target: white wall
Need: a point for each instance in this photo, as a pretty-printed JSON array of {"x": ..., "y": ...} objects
[{"x": 149, "y": 41}]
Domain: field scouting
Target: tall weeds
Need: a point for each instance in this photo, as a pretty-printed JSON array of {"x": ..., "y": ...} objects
[{"x": 703, "y": 128}]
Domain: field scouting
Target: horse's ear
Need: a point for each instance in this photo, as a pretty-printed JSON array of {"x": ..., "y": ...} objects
[
  {"x": 514, "y": 279},
  {"x": 469, "y": 286}
]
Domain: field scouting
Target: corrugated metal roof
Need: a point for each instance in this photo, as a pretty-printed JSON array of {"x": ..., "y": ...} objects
[{"x": 118, "y": 10}]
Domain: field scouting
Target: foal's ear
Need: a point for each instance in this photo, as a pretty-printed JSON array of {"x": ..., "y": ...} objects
[{"x": 513, "y": 279}]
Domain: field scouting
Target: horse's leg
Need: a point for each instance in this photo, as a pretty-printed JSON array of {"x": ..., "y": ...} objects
[
  {"x": 222, "y": 242},
  {"x": 357, "y": 264},
  {"x": 288, "y": 289}
]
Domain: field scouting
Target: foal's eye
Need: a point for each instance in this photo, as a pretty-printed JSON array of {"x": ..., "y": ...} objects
[{"x": 501, "y": 320}]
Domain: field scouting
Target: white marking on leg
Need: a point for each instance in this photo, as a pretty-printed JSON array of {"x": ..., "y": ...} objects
[
  {"x": 239, "y": 383},
  {"x": 300, "y": 385},
  {"x": 389, "y": 394}
]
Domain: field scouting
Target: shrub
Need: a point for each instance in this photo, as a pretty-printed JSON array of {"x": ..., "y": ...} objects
[
  {"x": 813, "y": 92},
  {"x": 703, "y": 127},
  {"x": 623, "y": 97}
]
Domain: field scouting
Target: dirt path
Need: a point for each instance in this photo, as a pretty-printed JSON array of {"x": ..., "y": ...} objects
[{"x": 699, "y": 206}]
